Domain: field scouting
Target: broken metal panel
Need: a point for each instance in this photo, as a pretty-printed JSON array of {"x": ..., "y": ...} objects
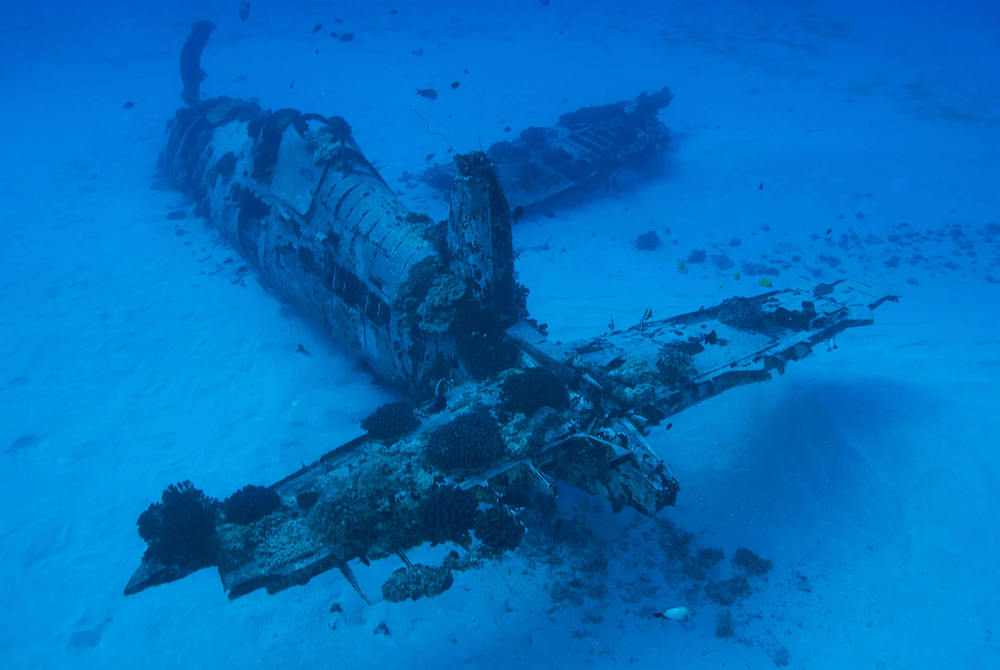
[
  {"x": 364, "y": 501},
  {"x": 371, "y": 499},
  {"x": 582, "y": 146},
  {"x": 296, "y": 177},
  {"x": 614, "y": 463},
  {"x": 480, "y": 237},
  {"x": 655, "y": 369}
]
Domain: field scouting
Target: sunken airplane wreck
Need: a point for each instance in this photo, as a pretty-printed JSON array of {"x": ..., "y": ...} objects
[{"x": 496, "y": 411}]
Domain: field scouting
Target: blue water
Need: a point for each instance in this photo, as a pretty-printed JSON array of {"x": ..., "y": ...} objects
[{"x": 131, "y": 356}]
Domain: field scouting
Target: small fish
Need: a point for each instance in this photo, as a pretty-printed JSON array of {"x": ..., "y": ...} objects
[
  {"x": 682, "y": 267},
  {"x": 720, "y": 287},
  {"x": 765, "y": 282},
  {"x": 428, "y": 93},
  {"x": 128, "y": 104},
  {"x": 307, "y": 173},
  {"x": 244, "y": 10},
  {"x": 347, "y": 37},
  {"x": 23, "y": 442},
  {"x": 302, "y": 350},
  {"x": 455, "y": 84},
  {"x": 238, "y": 78},
  {"x": 318, "y": 27},
  {"x": 736, "y": 276},
  {"x": 761, "y": 187}
]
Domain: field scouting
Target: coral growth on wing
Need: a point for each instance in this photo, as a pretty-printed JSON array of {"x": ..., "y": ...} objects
[
  {"x": 448, "y": 513},
  {"x": 249, "y": 504},
  {"x": 390, "y": 421},
  {"x": 528, "y": 391},
  {"x": 499, "y": 529},
  {"x": 676, "y": 367},
  {"x": 467, "y": 441},
  {"x": 180, "y": 529}
]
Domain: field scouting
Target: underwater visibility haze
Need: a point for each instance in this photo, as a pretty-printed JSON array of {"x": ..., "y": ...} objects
[{"x": 549, "y": 333}]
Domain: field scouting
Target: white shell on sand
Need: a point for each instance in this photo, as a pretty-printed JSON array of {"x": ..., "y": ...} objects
[{"x": 677, "y": 613}]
